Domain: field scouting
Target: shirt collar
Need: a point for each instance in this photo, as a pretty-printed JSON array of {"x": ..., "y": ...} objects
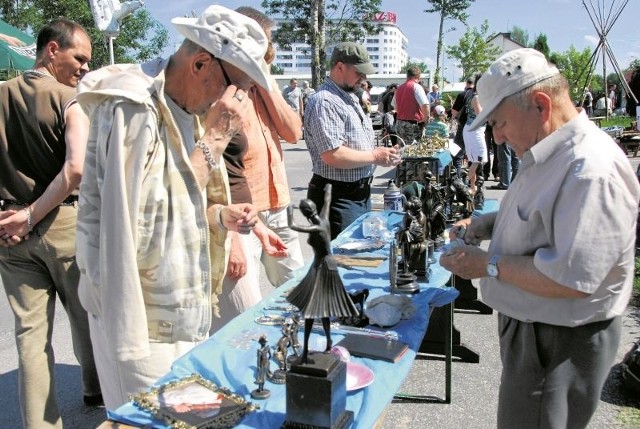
[{"x": 547, "y": 147}]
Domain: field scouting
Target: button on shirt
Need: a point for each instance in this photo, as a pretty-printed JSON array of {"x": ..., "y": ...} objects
[{"x": 333, "y": 119}]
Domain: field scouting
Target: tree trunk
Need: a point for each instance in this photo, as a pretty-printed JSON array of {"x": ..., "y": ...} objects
[{"x": 438, "y": 73}]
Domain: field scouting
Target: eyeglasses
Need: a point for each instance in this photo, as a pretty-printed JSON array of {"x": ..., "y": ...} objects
[{"x": 224, "y": 72}]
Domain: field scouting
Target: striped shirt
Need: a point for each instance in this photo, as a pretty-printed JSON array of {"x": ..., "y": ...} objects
[
  {"x": 437, "y": 128},
  {"x": 333, "y": 118}
]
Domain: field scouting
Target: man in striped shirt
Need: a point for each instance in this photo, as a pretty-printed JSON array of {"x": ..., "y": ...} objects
[{"x": 340, "y": 139}]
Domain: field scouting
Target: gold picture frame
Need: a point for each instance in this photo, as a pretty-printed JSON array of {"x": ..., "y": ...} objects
[{"x": 194, "y": 403}]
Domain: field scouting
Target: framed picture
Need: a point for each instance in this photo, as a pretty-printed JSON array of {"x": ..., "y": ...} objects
[{"x": 194, "y": 403}]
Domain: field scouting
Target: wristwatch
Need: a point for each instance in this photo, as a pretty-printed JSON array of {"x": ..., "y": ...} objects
[{"x": 492, "y": 266}]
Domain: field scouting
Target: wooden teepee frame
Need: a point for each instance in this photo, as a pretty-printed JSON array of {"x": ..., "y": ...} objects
[{"x": 603, "y": 20}]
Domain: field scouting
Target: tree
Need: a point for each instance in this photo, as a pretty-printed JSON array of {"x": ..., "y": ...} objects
[
  {"x": 520, "y": 35},
  {"x": 634, "y": 85},
  {"x": 275, "y": 70},
  {"x": 141, "y": 37},
  {"x": 541, "y": 45},
  {"x": 574, "y": 65},
  {"x": 421, "y": 65},
  {"x": 452, "y": 10},
  {"x": 321, "y": 22},
  {"x": 473, "y": 52}
]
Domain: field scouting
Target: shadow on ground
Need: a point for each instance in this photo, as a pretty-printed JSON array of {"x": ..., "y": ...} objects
[{"x": 75, "y": 414}]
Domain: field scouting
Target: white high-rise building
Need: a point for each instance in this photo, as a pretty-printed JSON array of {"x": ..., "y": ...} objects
[{"x": 387, "y": 50}]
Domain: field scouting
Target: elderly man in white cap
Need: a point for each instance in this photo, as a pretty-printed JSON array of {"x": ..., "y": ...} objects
[
  {"x": 559, "y": 268},
  {"x": 152, "y": 218}
]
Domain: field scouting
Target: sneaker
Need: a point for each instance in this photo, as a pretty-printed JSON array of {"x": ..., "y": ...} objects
[{"x": 93, "y": 401}]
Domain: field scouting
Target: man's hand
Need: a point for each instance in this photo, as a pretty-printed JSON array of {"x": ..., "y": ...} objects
[
  {"x": 224, "y": 119},
  {"x": 386, "y": 156},
  {"x": 13, "y": 227},
  {"x": 468, "y": 262},
  {"x": 239, "y": 217}
]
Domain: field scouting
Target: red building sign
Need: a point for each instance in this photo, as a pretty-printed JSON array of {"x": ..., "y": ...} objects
[{"x": 384, "y": 17}]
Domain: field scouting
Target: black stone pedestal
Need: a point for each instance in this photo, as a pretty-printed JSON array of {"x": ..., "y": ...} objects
[
  {"x": 317, "y": 394},
  {"x": 440, "y": 321},
  {"x": 468, "y": 298}
]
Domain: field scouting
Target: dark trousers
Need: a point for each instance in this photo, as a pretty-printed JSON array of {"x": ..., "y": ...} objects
[
  {"x": 349, "y": 201},
  {"x": 552, "y": 376}
]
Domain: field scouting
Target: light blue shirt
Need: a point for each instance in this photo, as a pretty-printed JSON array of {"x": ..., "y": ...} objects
[{"x": 333, "y": 118}]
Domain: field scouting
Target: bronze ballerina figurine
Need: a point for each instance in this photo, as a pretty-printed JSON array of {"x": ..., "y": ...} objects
[{"x": 320, "y": 294}]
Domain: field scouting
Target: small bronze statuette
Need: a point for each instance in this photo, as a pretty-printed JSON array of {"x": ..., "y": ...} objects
[
  {"x": 321, "y": 293},
  {"x": 263, "y": 372}
]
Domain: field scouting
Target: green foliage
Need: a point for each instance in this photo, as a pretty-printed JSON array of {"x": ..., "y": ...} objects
[
  {"x": 473, "y": 53},
  {"x": 319, "y": 23},
  {"x": 141, "y": 37},
  {"x": 454, "y": 10},
  {"x": 422, "y": 66},
  {"x": 520, "y": 35},
  {"x": 275, "y": 70},
  {"x": 541, "y": 45},
  {"x": 574, "y": 65}
]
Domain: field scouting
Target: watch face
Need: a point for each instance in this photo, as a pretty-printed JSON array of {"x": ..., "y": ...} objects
[{"x": 492, "y": 270}]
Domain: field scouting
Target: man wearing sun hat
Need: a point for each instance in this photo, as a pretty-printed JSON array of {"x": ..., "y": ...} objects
[
  {"x": 340, "y": 139},
  {"x": 559, "y": 268},
  {"x": 153, "y": 211}
]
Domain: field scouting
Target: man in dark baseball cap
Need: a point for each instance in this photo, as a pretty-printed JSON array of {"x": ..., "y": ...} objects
[
  {"x": 354, "y": 54},
  {"x": 341, "y": 141}
]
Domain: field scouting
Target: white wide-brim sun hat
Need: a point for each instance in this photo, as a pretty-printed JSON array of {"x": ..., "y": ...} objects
[{"x": 231, "y": 37}]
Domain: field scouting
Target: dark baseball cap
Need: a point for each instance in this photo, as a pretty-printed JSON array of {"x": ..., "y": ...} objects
[{"x": 354, "y": 54}]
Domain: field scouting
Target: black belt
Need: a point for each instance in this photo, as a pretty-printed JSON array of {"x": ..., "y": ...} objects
[
  {"x": 409, "y": 121},
  {"x": 69, "y": 201},
  {"x": 363, "y": 181}
]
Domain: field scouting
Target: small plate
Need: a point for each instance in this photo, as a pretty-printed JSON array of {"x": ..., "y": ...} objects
[
  {"x": 358, "y": 376},
  {"x": 361, "y": 245},
  {"x": 274, "y": 320}
]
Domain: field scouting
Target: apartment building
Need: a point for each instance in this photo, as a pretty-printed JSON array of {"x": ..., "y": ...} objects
[{"x": 387, "y": 50}]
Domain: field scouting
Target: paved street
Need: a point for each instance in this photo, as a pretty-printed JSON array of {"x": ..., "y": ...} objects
[{"x": 474, "y": 385}]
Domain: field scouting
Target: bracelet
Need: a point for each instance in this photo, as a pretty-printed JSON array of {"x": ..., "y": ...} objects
[
  {"x": 213, "y": 165},
  {"x": 218, "y": 216},
  {"x": 27, "y": 210}
]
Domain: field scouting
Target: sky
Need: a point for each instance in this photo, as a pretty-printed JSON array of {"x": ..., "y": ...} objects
[{"x": 565, "y": 22}]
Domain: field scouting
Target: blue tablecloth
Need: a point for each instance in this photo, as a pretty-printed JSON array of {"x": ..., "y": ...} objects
[{"x": 229, "y": 357}]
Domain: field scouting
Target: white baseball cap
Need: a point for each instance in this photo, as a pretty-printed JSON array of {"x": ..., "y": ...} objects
[
  {"x": 509, "y": 74},
  {"x": 440, "y": 110},
  {"x": 231, "y": 37}
]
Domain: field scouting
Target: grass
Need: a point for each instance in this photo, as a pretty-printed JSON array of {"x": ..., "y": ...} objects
[{"x": 620, "y": 121}]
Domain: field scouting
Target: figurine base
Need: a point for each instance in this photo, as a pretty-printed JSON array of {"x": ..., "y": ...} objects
[
  {"x": 260, "y": 394},
  {"x": 317, "y": 393},
  {"x": 344, "y": 421},
  {"x": 406, "y": 283},
  {"x": 279, "y": 377},
  {"x": 318, "y": 364}
]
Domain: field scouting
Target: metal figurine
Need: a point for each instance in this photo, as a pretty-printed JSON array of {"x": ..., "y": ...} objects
[
  {"x": 413, "y": 235},
  {"x": 281, "y": 353},
  {"x": 293, "y": 334},
  {"x": 264, "y": 372},
  {"x": 321, "y": 293},
  {"x": 478, "y": 197}
]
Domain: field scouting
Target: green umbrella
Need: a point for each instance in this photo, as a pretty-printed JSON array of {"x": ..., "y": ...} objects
[{"x": 13, "y": 55}]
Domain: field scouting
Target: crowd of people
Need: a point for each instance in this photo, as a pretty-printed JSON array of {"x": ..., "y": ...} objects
[{"x": 146, "y": 197}]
